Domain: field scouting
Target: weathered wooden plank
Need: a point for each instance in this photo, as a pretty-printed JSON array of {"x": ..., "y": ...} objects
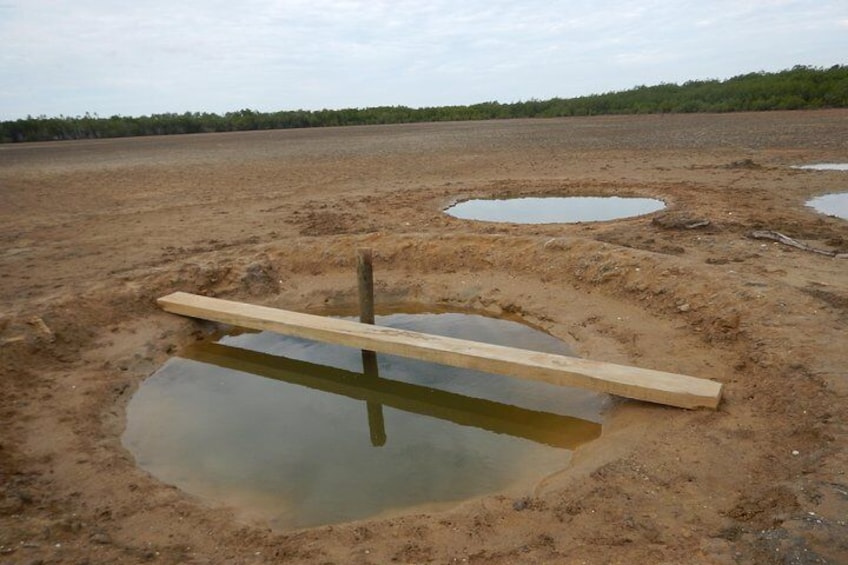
[{"x": 631, "y": 382}]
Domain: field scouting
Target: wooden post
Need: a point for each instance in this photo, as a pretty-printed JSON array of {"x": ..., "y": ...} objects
[{"x": 365, "y": 278}]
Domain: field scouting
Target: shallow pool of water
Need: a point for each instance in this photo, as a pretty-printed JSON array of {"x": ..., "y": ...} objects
[
  {"x": 824, "y": 167},
  {"x": 565, "y": 210},
  {"x": 252, "y": 422},
  {"x": 831, "y": 204}
]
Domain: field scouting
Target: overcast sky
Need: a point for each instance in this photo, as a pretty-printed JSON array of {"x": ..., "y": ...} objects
[{"x": 152, "y": 56}]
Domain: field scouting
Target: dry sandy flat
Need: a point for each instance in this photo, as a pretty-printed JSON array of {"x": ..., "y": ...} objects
[{"x": 93, "y": 231}]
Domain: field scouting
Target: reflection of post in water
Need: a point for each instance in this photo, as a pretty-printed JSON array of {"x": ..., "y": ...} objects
[
  {"x": 376, "y": 424},
  {"x": 365, "y": 278}
]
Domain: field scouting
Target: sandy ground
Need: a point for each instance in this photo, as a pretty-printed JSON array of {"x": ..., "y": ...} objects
[{"x": 93, "y": 231}]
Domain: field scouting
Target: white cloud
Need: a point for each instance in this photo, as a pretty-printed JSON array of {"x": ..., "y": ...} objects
[{"x": 68, "y": 57}]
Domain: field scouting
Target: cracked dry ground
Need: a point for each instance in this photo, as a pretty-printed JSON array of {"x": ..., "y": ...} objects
[{"x": 93, "y": 231}]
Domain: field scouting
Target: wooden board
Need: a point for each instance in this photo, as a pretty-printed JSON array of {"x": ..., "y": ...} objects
[{"x": 631, "y": 382}]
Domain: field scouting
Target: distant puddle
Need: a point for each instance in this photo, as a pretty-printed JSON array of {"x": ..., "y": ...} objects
[
  {"x": 564, "y": 210},
  {"x": 824, "y": 167},
  {"x": 248, "y": 422},
  {"x": 831, "y": 204}
]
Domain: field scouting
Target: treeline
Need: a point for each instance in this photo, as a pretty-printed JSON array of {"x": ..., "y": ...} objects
[{"x": 801, "y": 87}]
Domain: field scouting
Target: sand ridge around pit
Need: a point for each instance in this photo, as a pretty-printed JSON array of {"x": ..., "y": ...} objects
[{"x": 94, "y": 231}]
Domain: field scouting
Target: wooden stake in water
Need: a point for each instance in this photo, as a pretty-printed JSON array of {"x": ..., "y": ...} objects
[{"x": 365, "y": 278}]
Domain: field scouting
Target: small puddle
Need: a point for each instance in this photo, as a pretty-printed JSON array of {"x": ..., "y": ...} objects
[
  {"x": 247, "y": 421},
  {"x": 831, "y": 204},
  {"x": 564, "y": 210},
  {"x": 824, "y": 167}
]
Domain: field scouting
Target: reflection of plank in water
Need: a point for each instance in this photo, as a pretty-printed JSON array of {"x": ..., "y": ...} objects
[
  {"x": 632, "y": 382},
  {"x": 542, "y": 427}
]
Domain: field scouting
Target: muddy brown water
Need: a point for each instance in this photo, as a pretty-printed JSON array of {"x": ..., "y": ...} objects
[
  {"x": 554, "y": 210},
  {"x": 251, "y": 421}
]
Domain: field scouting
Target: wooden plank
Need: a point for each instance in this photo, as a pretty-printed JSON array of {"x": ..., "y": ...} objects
[{"x": 631, "y": 382}]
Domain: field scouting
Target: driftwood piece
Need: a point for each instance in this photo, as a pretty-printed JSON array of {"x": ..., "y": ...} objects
[
  {"x": 677, "y": 221},
  {"x": 786, "y": 240}
]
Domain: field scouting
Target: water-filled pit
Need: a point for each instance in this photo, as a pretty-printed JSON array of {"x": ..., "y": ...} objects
[
  {"x": 831, "y": 204},
  {"x": 247, "y": 421},
  {"x": 824, "y": 167},
  {"x": 554, "y": 210}
]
